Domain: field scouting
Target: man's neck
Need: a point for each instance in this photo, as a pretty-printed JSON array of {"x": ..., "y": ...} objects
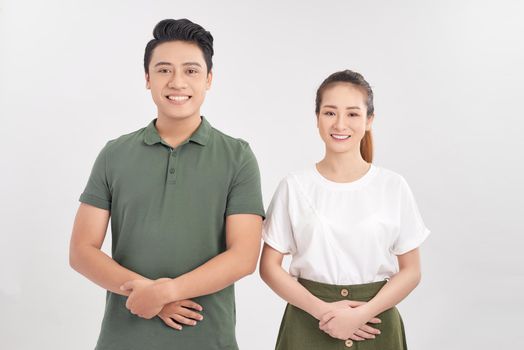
[{"x": 175, "y": 131}]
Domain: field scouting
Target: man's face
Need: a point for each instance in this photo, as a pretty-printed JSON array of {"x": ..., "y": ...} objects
[{"x": 178, "y": 79}]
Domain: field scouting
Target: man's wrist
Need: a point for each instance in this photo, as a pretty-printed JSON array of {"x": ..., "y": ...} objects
[{"x": 167, "y": 291}]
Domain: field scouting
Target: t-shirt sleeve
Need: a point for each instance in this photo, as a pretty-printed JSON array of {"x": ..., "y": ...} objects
[
  {"x": 277, "y": 231},
  {"x": 412, "y": 231},
  {"x": 97, "y": 191},
  {"x": 245, "y": 195}
]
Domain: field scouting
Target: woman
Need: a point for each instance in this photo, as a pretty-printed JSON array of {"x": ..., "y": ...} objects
[{"x": 353, "y": 230}]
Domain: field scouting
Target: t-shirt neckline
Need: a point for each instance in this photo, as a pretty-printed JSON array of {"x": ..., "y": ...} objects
[{"x": 363, "y": 180}]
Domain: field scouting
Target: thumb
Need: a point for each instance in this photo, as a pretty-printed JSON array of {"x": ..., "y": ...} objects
[
  {"x": 354, "y": 303},
  {"x": 325, "y": 318},
  {"x": 127, "y": 286}
]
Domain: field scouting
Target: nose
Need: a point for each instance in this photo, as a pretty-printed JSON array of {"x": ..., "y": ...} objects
[
  {"x": 177, "y": 82},
  {"x": 340, "y": 123}
]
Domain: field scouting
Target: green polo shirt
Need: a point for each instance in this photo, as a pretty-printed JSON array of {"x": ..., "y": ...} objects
[{"x": 168, "y": 209}]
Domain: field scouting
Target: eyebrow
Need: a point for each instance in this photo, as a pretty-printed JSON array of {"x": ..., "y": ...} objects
[
  {"x": 183, "y": 64},
  {"x": 335, "y": 107}
]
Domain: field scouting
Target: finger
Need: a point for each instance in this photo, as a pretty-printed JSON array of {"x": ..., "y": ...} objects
[
  {"x": 345, "y": 303},
  {"x": 169, "y": 322},
  {"x": 335, "y": 335},
  {"x": 184, "y": 320},
  {"x": 326, "y": 317},
  {"x": 324, "y": 326},
  {"x": 127, "y": 286},
  {"x": 375, "y": 320},
  {"x": 191, "y": 304},
  {"x": 354, "y": 303},
  {"x": 128, "y": 305},
  {"x": 365, "y": 335},
  {"x": 370, "y": 330},
  {"x": 190, "y": 314},
  {"x": 356, "y": 337}
]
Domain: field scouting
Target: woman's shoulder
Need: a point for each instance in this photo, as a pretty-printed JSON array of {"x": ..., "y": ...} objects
[
  {"x": 295, "y": 180},
  {"x": 387, "y": 173},
  {"x": 300, "y": 176},
  {"x": 390, "y": 177}
]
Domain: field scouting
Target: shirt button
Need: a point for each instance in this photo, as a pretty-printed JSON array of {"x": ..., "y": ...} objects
[
  {"x": 348, "y": 343},
  {"x": 173, "y": 154},
  {"x": 344, "y": 292},
  {"x": 172, "y": 170}
]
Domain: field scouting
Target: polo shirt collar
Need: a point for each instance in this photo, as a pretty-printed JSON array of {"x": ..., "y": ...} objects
[{"x": 200, "y": 135}]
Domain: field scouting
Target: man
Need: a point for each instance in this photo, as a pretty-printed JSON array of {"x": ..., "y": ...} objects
[{"x": 185, "y": 207}]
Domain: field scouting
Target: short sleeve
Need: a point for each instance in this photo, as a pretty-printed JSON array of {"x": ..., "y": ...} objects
[
  {"x": 245, "y": 195},
  {"x": 277, "y": 230},
  {"x": 412, "y": 231},
  {"x": 97, "y": 191}
]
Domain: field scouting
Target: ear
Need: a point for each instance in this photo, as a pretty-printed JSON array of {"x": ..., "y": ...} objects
[
  {"x": 369, "y": 122},
  {"x": 317, "y": 122},
  {"x": 148, "y": 84},
  {"x": 209, "y": 79}
]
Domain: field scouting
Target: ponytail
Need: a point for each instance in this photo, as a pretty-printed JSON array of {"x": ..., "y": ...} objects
[{"x": 366, "y": 147}]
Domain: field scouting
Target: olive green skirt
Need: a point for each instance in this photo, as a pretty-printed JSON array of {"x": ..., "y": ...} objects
[{"x": 299, "y": 330}]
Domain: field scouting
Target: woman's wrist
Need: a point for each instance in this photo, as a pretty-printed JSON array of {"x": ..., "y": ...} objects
[
  {"x": 367, "y": 311},
  {"x": 318, "y": 308}
]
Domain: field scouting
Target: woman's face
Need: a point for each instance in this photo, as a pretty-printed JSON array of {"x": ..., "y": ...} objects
[{"x": 342, "y": 120}]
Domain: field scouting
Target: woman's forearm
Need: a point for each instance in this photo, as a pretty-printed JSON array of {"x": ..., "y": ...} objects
[
  {"x": 290, "y": 290},
  {"x": 393, "y": 292}
]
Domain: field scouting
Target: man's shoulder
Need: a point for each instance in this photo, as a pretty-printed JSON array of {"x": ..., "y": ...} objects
[
  {"x": 124, "y": 141},
  {"x": 226, "y": 138},
  {"x": 235, "y": 146}
]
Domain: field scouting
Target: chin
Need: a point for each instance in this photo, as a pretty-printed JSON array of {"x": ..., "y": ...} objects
[
  {"x": 177, "y": 114},
  {"x": 340, "y": 150}
]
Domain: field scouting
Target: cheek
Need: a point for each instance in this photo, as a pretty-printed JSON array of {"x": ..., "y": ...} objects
[
  {"x": 323, "y": 132},
  {"x": 323, "y": 126},
  {"x": 155, "y": 87},
  {"x": 200, "y": 86},
  {"x": 358, "y": 125}
]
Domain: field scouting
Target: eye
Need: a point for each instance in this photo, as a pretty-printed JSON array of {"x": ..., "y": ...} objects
[
  {"x": 192, "y": 71},
  {"x": 329, "y": 113},
  {"x": 354, "y": 115},
  {"x": 164, "y": 70}
]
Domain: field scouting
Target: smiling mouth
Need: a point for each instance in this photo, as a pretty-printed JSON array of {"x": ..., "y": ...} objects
[
  {"x": 340, "y": 137},
  {"x": 178, "y": 99}
]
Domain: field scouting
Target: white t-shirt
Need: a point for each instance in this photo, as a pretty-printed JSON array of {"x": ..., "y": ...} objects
[{"x": 344, "y": 233}]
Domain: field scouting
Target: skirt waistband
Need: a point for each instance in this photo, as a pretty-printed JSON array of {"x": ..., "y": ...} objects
[{"x": 360, "y": 292}]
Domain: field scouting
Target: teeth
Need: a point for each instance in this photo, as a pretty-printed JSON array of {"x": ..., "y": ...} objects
[
  {"x": 340, "y": 137},
  {"x": 178, "y": 98}
]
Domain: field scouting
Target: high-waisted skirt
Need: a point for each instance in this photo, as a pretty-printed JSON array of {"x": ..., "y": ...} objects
[{"x": 299, "y": 330}]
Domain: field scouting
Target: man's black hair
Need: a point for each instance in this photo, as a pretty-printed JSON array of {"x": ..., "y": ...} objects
[{"x": 183, "y": 30}]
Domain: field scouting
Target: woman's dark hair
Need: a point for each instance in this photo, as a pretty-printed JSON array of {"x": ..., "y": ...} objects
[
  {"x": 354, "y": 78},
  {"x": 183, "y": 30}
]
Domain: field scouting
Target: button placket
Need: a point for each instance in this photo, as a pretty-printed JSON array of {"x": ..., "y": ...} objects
[{"x": 171, "y": 166}]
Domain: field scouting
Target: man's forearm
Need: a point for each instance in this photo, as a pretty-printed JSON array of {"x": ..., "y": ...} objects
[
  {"x": 101, "y": 269},
  {"x": 216, "y": 274}
]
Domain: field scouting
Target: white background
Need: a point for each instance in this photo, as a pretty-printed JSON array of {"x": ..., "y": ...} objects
[{"x": 447, "y": 77}]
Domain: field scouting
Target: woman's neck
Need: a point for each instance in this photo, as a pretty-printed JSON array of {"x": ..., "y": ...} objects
[{"x": 343, "y": 167}]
